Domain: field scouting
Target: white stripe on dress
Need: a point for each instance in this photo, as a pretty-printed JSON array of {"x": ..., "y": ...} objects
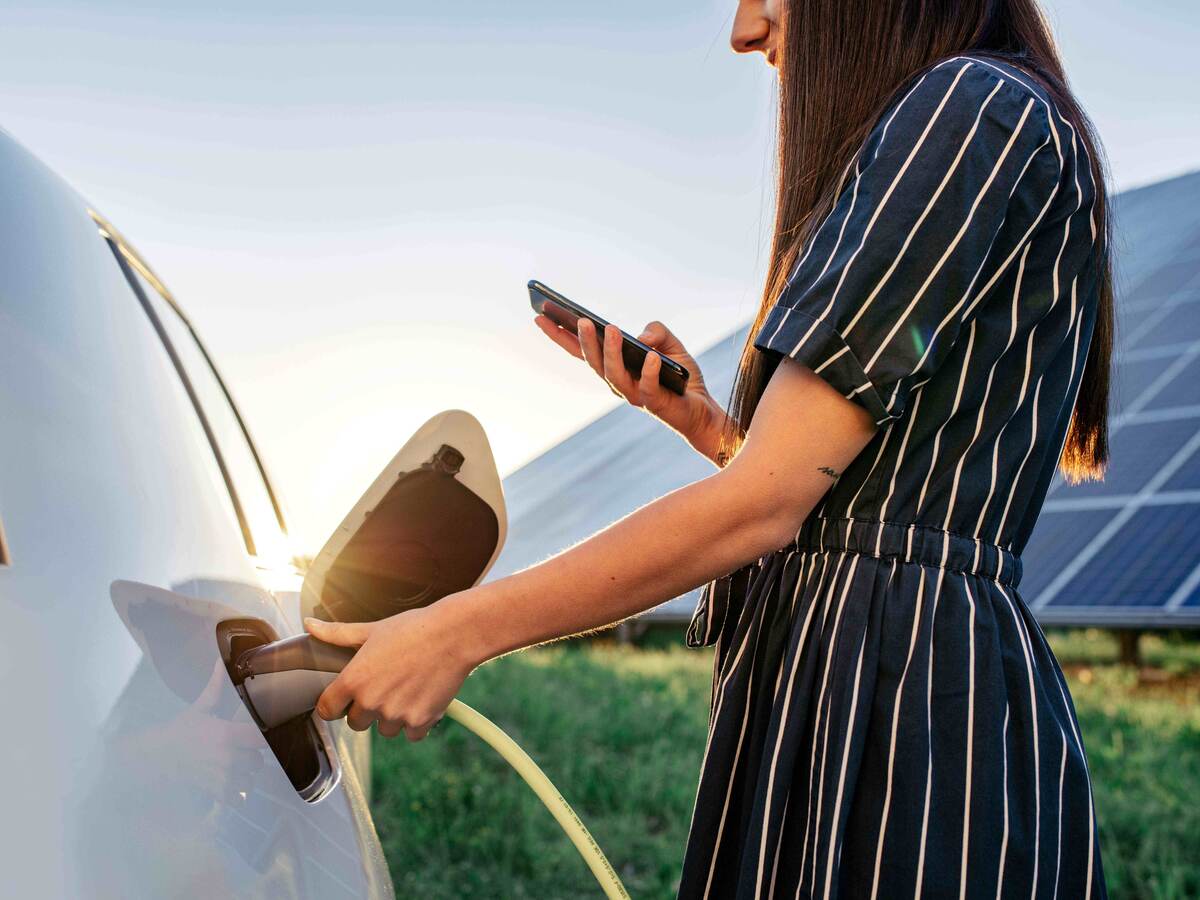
[
  {"x": 966, "y": 832},
  {"x": 1012, "y": 336},
  {"x": 1004, "y": 839},
  {"x": 1062, "y": 772},
  {"x": 787, "y": 797},
  {"x": 929, "y": 723},
  {"x": 811, "y": 242},
  {"x": 891, "y": 764},
  {"x": 1037, "y": 757}
]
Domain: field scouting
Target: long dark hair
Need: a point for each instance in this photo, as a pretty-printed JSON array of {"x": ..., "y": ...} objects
[{"x": 841, "y": 65}]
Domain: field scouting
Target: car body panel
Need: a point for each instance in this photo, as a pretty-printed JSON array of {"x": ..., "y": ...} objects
[{"x": 130, "y": 768}]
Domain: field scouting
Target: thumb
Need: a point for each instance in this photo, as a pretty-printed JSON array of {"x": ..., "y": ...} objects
[{"x": 343, "y": 634}]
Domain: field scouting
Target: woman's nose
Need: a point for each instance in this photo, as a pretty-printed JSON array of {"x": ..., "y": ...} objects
[{"x": 751, "y": 27}]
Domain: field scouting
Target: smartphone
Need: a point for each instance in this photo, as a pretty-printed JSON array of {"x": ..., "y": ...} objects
[{"x": 566, "y": 314}]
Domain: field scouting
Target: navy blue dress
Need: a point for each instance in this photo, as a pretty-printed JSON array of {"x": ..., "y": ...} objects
[{"x": 887, "y": 718}]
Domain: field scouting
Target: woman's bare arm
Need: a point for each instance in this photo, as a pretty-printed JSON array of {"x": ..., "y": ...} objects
[
  {"x": 753, "y": 506},
  {"x": 411, "y": 665}
]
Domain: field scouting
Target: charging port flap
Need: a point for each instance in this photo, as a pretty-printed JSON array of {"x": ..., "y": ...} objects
[{"x": 431, "y": 524}]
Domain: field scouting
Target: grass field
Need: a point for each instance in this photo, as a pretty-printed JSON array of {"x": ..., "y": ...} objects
[{"x": 621, "y": 731}]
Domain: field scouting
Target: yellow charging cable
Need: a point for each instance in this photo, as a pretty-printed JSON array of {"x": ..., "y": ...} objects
[{"x": 491, "y": 735}]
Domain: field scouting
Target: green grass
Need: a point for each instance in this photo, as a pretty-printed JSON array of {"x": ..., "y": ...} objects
[
  {"x": 621, "y": 731},
  {"x": 1141, "y": 730}
]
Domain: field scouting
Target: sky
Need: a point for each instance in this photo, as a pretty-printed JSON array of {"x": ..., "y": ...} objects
[{"x": 349, "y": 198}]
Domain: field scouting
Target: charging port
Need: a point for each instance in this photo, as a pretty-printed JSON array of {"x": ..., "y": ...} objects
[{"x": 297, "y": 743}]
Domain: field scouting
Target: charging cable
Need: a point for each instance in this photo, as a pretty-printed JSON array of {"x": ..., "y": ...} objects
[{"x": 494, "y": 737}]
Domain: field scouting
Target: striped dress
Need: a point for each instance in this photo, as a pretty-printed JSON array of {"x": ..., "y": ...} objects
[{"x": 887, "y": 719}]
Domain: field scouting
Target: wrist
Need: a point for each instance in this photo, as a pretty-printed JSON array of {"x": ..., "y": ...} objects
[
  {"x": 707, "y": 438},
  {"x": 464, "y": 625}
]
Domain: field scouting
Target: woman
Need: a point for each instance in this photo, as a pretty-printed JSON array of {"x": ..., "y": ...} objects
[{"x": 887, "y": 719}]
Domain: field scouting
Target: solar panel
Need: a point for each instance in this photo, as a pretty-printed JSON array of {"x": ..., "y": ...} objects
[
  {"x": 1183, "y": 386},
  {"x": 1176, "y": 327},
  {"x": 1187, "y": 477},
  {"x": 1124, "y": 552},
  {"x": 1136, "y": 374},
  {"x": 1061, "y": 535}
]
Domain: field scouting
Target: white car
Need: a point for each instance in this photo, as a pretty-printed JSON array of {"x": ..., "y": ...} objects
[{"x": 142, "y": 547}]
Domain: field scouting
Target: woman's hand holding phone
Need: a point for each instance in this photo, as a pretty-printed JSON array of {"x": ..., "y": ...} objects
[{"x": 699, "y": 418}]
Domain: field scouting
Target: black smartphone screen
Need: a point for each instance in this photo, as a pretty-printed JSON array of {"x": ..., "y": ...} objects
[{"x": 566, "y": 314}]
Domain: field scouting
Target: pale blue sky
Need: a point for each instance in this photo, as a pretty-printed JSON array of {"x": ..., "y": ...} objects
[{"x": 348, "y": 198}]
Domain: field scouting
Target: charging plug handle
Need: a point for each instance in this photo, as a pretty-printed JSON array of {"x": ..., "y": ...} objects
[
  {"x": 285, "y": 679},
  {"x": 302, "y": 652}
]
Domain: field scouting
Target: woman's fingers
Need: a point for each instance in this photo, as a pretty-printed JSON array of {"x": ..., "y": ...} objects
[
  {"x": 344, "y": 634},
  {"x": 590, "y": 346},
  {"x": 335, "y": 700},
  {"x": 661, "y": 338},
  {"x": 593, "y": 352},
  {"x": 615, "y": 372},
  {"x": 651, "y": 394},
  {"x": 389, "y": 728},
  {"x": 603, "y": 353},
  {"x": 360, "y": 718},
  {"x": 417, "y": 734},
  {"x": 561, "y": 336}
]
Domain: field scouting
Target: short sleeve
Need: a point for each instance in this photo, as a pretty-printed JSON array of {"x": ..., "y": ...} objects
[{"x": 888, "y": 280}]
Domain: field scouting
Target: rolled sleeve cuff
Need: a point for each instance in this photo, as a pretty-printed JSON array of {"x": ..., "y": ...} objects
[{"x": 814, "y": 344}]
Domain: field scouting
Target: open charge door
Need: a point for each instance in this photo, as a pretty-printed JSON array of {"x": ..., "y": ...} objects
[{"x": 430, "y": 525}]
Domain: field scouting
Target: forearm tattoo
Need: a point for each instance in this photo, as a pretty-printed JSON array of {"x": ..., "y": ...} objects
[{"x": 832, "y": 473}]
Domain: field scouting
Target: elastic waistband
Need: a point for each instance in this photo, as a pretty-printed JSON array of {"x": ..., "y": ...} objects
[{"x": 921, "y": 544}]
